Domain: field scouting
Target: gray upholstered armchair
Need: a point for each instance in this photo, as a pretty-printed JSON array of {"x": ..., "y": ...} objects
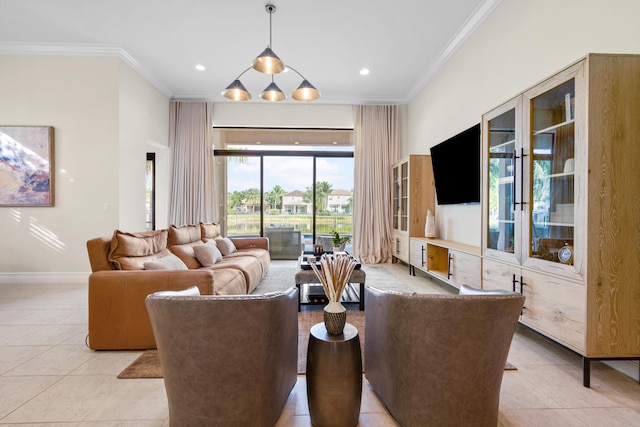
[
  {"x": 438, "y": 360},
  {"x": 226, "y": 360}
]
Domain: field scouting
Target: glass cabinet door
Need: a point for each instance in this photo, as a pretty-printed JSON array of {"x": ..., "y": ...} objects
[
  {"x": 551, "y": 224},
  {"x": 502, "y": 186},
  {"x": 396, "y": 198},
  {"x": 404, "y": 201}
]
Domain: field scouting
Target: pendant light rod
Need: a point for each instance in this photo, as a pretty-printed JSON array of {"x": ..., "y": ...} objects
[
  {"x": 296, "y": 71},
  {"x": 271, "y": 9}
]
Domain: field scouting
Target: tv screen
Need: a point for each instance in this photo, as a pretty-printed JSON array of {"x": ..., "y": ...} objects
[{"x": 456, "y": 168}]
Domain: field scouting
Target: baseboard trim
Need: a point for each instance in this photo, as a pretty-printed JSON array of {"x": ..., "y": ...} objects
[{"x": 42, "y": 278}]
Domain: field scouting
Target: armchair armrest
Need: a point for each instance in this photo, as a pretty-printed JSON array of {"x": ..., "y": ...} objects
[{"x": 118, "y": 316}]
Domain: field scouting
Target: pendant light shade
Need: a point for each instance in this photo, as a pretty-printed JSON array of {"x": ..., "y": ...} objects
[
  {"x": 237, "y": 92},
  {"x": 272, "y": 93},
  {"x": 269, "y": 63},
  {"x": 305, "y": 92}
]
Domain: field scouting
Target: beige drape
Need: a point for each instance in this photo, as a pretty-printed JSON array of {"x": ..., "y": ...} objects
[
  {"x": 190, "y": 138},
  {"x": 376, "y": 137}
]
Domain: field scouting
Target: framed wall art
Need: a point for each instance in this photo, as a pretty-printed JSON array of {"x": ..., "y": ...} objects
[{"x": 26, "y": 166}]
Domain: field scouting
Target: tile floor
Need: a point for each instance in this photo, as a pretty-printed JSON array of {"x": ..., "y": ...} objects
[{"x": 49, "y": 377}]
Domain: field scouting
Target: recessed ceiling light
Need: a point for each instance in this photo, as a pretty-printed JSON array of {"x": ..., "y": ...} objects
[
  {"x": 364, "y": 71},
  {"x": 200, "y": 67},
  {"x": 335, "y": 142},
  {"x": 258, "y": 142},
  {"x": 296, "y": 142}
]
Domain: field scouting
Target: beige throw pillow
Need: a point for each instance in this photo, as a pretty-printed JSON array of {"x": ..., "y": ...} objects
[
  {"x": 169, "y": 262},
  {"x": 207, "y": 254},
  {"x": 225, "y": 245},
  {"x": 192, "y": 291}
]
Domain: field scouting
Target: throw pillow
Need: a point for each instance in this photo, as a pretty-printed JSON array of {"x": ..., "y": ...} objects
[
  {"x": 210, "y": 231},
  {"x": 225, "y": 245},
  {"x": 192, "y": 291},
  {"x": 169, "y": 262},
  {"x": 129, "y": 251},
  {"x": 208, "y": 254},
  {"x": 184, "y": 234}
]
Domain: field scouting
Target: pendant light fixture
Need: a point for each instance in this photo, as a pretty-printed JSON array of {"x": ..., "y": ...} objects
[{"x": 269, "y": 63}]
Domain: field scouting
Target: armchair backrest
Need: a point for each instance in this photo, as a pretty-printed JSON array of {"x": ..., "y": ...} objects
[
  {"x": 439, "y": 359},
  {"x": 226, "y": 360}
]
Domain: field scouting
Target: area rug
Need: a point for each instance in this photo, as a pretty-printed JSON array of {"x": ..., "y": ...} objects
[{"x": 147, "y": 365}]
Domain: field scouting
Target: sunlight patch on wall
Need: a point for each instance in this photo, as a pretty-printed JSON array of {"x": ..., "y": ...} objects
[{"x": 45, "y": 236}]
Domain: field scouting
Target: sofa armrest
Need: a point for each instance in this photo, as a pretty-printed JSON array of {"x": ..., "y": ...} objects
[
  {"x": 118, "y": 316},
  {"x": 251, "y": 242}
]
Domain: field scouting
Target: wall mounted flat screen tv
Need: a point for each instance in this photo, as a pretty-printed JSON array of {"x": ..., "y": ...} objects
[{"x": 456, "y": 168}]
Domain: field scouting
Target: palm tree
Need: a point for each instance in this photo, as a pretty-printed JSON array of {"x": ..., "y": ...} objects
[
  {"x": 323, "y": 189},
  {"x": 276, "y": 194}
]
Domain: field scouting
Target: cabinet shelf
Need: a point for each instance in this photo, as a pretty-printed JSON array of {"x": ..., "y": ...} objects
[
  {"x": 502, "y": 145},
  {"x": 555, "y": 224},
  {"x": 554, "y": 175},
  {"x": 553, "y": 128}
]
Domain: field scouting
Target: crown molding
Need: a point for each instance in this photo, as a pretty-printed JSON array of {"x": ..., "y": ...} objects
[
  {"x": 62, "y": 49},
  {"x": 480, "y": 14}
]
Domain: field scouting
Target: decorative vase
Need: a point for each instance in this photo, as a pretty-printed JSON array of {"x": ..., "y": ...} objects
[
  {"x": 335, "y": 317},
  {"x": 430, "y": 225}
]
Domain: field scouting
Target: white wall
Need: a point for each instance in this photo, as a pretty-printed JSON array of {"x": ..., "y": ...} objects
[
  {"x": 228, "y": 114},
  {"x": 80, "y": 98},
  {"x": 521, "y": 43},
  {"x": 144, "y": 127}
]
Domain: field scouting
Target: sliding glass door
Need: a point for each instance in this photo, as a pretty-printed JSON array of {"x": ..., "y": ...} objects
[{"x": 294, "y": 198}]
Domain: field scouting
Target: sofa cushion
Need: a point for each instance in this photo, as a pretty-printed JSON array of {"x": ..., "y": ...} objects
[
  {"x": 169, "y": 262},
  {"x": 225, "y": 245},
  {"x": 186, "y": 254},
  {"x": 129, "y": 251},
  {"x": 184, "y": 234},
  {"x": 210, "y": 231},
  {"x": 261, "y": 255},
  {"x": 208, "y": 254},
  {"x": 247, "y": 265}
]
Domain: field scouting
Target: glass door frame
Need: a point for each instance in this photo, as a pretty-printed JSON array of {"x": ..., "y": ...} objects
[{"x": 284, "y": 153}]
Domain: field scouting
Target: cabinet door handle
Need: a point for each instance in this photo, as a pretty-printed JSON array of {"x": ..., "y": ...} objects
[
  {"x": 449, "y": 274},
  {"x": 423, "y": 257},
  {"x": 513, "y": 187},
  {"x": 522, "y": 156},
  {"x": 513, "y": 282}
]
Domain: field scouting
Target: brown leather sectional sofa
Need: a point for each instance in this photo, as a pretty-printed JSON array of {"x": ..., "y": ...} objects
[{"x": 122, "y": 277}]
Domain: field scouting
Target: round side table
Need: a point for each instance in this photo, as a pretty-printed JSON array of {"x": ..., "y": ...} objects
[{"x": 334, "y": 377}]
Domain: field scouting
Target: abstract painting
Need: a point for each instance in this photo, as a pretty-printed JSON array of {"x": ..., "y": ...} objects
[{"x": 26, "y": 166}]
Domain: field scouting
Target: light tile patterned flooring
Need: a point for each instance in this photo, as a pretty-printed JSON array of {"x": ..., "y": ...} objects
[{"x": 49, "y": 377}]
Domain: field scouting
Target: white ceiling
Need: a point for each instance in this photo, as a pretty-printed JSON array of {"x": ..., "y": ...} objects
[{"x": 402, "y": 42}]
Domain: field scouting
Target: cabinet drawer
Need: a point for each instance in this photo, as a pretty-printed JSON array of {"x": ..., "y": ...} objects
[
  {"x": 465, "y": 269},
  {"x": 418, "y": 254},
  {"x": 499, "y": 275},
  {"x": 401, "y": 247},
  {"x": 555, "y": 307}
]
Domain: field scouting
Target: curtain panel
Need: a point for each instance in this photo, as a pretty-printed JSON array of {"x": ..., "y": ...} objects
[
  {"x": 376, "y": 138},
  {"x": 192, "y": 197}
]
